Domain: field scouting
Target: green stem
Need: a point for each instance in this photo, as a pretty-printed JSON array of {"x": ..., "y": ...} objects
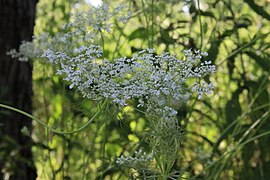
[
  {"x": 169, "y": 100},
  {"x": 152, "y": 24},
  {"x": 240, "y": 146},
  {"x": 240, "y": 49},
  {"x": 47, "y": 126},
  {"x": 102, "y": 41},
  {"x": 200, "y": 20}
]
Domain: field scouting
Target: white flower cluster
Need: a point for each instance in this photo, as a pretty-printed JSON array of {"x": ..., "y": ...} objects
[
  {"x": 100, "y": 18},
  {"x": 26, "y": 52},
  {"x": 202, "y": 88},
  {"x": 85, "y": 28},
  {"x": 166, "y": 113},
  {"x": 146, "y": 77},
  {"x": 140, "y": 161}
]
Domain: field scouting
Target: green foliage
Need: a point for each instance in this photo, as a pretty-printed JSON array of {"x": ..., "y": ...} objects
[{"x": 225, "y": 136}]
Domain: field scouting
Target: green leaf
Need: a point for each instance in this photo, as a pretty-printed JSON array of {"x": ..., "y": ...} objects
[
  {"x": 165, "y": 37},
  {"x": 214, "y": 48},
  {"x": 243, "y": 22},
  {"x": 259, "y": 88},
  {"x": 263, "y": 62},
  {"x": 233, "y": 107},
  {"x": 208, "y": 14},
  {"x": 140, "y": 33},
  {"x": 231, "y": 65},
  {"x": 258, "y": 9}
]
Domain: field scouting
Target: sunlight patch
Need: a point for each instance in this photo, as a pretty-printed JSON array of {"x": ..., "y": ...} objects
[{"x": 94, "y": 3}]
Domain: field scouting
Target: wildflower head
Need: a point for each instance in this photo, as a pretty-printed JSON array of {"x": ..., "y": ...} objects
[{"x": 150, "y": 78}]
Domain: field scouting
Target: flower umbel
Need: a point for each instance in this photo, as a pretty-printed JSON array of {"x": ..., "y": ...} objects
[{"x": 145, "y": 76}]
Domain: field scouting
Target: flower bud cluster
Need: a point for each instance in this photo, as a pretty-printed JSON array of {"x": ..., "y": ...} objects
[
  {"x": 140, "y": 161},
  {"x": 100, "y": 18}
]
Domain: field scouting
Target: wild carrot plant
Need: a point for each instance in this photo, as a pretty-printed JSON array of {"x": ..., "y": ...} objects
[{"x": 159, "y": 83}]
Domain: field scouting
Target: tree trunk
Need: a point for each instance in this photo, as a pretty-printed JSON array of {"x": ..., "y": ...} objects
[{"x": 16, "y": 25}]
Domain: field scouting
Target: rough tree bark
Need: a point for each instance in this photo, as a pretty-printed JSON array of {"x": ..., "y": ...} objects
[{"x": 16, "y": 25}]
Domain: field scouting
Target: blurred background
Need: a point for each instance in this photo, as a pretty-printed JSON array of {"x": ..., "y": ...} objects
[{"x": 225, "y": 135}]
